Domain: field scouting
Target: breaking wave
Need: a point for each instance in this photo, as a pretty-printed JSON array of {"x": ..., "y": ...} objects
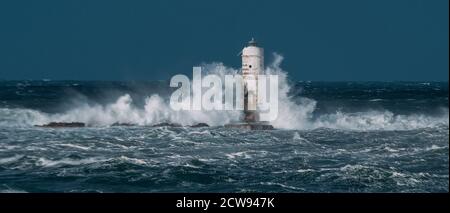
[
  {"x": 298, "y": 114},
  {"x": 108, "y": 115}
]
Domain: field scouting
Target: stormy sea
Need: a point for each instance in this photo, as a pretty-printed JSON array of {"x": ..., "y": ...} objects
[{"x": 329, "y": 137}]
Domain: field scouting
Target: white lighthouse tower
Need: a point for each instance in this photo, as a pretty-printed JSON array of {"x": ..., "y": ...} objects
[{"x": 252, "y": 66}]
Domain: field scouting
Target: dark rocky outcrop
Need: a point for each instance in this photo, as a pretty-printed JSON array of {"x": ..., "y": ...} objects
[
  {"x": 80, "y": 124},
  {"x": 167, "y": 125},
  {"x": 123, "y": 124},
  {"x": 199, "y": 125},
  {"x": 250, "y": 126},
  {"x": 62, "y": 124}
]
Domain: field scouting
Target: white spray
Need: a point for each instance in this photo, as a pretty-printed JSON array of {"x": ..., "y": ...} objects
[{"x": 291, "y": 115}]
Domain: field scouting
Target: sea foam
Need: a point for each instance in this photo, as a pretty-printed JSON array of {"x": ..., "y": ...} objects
[{"x": 292, "y": 114}]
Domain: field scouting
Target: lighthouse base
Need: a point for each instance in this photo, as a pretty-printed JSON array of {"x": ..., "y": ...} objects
[{"x": 250, "y": 126}]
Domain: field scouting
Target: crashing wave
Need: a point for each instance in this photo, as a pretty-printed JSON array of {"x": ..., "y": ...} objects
[{"x": 291, "y": 114}]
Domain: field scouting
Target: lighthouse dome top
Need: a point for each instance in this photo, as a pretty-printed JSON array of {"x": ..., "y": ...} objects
[{"x": 252, "y": 43}]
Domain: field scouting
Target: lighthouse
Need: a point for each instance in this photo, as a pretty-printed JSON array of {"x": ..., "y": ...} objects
[{"x": 252, "y": 66}]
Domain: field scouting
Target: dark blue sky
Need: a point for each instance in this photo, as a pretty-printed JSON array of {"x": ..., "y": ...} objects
[{"x": 327, "y": 40}]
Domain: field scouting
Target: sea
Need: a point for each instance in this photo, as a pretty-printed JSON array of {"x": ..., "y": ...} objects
[{"x": 329, "y": 137}]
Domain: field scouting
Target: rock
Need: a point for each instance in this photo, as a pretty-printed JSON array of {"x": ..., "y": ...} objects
[
  {"x": 199, "y": 125},
  {"x": 123, "y": 124},
  {"x": 167, "y": 124},
  {"x": 62, "y": 124},
  {"x": 251, "y": 126}
]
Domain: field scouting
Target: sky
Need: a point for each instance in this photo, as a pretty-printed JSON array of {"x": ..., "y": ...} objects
[{"x": 321, "y": 40}]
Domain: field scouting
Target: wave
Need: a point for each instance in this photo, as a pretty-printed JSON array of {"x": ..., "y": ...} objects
[
  {"x": 6, "y": 189},
  {"x": 10, "y": 159},
  {"x": 301, "y": 118},
  {"x": 298, "y": 114},
  {"x": 379, "y": 120},
  {"x": 44, "y": 162}
]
